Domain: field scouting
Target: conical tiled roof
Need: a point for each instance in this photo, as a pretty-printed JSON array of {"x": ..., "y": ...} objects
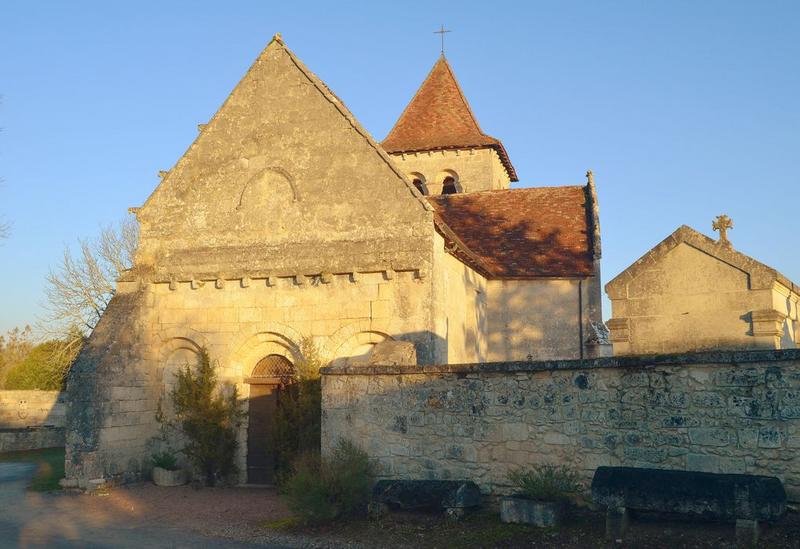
[{"x": 439, "y": 117}]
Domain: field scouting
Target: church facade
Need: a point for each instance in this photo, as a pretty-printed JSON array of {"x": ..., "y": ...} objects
[{"x": 285, "y": 222}]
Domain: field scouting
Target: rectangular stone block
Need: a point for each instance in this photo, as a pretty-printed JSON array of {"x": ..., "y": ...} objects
[
  {"x": 702, "y": 462},
  {"x": 770, "y": 437},
  {"x": 710, "y": 436}
]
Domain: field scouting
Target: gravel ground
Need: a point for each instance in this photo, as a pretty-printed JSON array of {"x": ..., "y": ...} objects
[
  {"x": 247, "y": 517},
  {"x": 244, "y": 514},
  {"x": 233, "y": 513}
]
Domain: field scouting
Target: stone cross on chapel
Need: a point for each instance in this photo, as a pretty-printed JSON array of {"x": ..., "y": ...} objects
[{"x": 722, "y": 224}]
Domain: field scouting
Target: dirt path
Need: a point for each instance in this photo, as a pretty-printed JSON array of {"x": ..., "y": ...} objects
[{"x": 142, "y": 516}]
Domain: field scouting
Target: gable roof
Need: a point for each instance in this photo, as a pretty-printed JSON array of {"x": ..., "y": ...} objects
[
  {"x": 439, "y": 117},
  {"x": 521, "y": 233},
  {"x": 761, "y": 276}
]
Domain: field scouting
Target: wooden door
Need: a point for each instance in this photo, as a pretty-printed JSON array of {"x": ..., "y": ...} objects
[
  {"x": 260, "y": 453},
  {"x": 270, "y": 374}
]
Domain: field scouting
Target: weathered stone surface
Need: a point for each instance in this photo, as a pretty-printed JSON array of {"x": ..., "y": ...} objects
[
  {"x": 690, "y": 293},
  {"x": 545, "y": 514},
  {"x": 393, "y": 353},
  {"x": 21, "y": 409},
  {"x": 435, "y": 495},
  {"x": 283, "y": 221},
  {"x": 14, "y": 440},
  {"x": 480, "y": 421},
  {"x": 165, "y": 477},
  {"x": 708, "y": 495}
]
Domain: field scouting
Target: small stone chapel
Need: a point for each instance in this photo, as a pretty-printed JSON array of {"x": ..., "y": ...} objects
[{"x": 285, "y": 221}]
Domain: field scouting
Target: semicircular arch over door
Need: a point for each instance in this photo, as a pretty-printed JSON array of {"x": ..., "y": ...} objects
[{"x": 268, "y": 376}]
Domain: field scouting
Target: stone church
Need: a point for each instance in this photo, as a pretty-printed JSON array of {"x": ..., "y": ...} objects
[{"x": 285, "y": 222}]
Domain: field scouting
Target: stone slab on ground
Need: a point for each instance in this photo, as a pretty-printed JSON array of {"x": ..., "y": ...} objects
[
  {"x": 434, "y": 495},
  {"x": 709, "y": 495},
  {"x": 545, "y": 514}
]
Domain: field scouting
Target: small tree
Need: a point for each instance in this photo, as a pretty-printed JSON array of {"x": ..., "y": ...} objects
[
  {"x": 297, "y": 421},
  {"x": 45, "y": 368},
  {"x": 79, "y": 289},
  {"x": 14, "y": 347},
  {"x": 208, "y": 418}
]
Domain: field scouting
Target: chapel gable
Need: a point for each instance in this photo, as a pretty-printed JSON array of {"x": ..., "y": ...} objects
[{"x": 691, "y": 293}]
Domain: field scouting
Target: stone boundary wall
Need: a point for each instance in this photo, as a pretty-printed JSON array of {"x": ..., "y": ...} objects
[
  {"x": 31, "y": 419},
  {"x": 722, "y": 412}
]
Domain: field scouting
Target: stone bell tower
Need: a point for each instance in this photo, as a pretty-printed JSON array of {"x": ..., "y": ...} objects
[{"x": 439, "y": 145}]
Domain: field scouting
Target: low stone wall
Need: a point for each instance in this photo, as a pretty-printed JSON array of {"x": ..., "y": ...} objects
[
  {"x": 722, "y": 412},
  {"x": 33, "y": 438},
  {"x": 31, "y": 419}
]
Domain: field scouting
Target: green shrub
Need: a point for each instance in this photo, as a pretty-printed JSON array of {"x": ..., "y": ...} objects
[
  {"x": 296, "y": 423},
  {"x": 546, "y": 482},
  {"x": 208, "y": 418},
  {"x": 339, "y": 486},
  {"x": 45, "y": 368},
  {"x": 15, "y": 345},
  {"x": 165, "y": 460}
]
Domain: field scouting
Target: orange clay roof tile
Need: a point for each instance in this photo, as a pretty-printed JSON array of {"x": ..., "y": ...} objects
[
  {"x": 521, "y": 233},
  {"x": 439, "y": 117}
]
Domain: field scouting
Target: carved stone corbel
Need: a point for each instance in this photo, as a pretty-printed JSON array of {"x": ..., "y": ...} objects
[
  {"x": 767, "y": 323},
  {"x": 620, "y": 330}
]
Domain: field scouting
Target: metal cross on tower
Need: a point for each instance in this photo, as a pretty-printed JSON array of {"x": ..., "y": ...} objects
[
  {"x": 441, "y": 32},
  {"x": 722, "y": 224}
]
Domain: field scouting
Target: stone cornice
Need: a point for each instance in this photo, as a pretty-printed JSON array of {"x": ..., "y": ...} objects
[
  {"x": 761, "y": 276},
  {"x": 246, "y": 278},
  {"x": 720, "y": 359}
]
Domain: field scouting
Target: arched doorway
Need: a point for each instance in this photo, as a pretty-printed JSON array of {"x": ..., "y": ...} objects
[{"x": 270, "y": 374}]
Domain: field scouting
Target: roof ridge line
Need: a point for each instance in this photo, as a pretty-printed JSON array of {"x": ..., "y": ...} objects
[
  {"x": 686, "y": 234},
  {"x": 342, "y": 108},
  {"x": 326, "y": 92},
  {"x": 463, "y": 97}
]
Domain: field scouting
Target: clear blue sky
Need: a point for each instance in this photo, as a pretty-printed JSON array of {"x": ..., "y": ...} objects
[{"x": 683, "y": 109}]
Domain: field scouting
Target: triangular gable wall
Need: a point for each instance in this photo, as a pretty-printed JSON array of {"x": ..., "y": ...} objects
[
  {"x": 761, "y": 276},
  {"x": 283, "y": 177}
]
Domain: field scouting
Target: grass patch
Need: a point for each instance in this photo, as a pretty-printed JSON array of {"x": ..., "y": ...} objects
[{"x": 50, "y": 467}]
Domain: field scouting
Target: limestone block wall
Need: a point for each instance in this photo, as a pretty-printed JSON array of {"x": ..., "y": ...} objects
[
  {"x": 723, "y": 412},
  {"x": 31, "y": 419},
  {"x": 479, "y": 320},
  {"x": 689, "y": 300},
  {"x": 474, "y": 169},
  {"x": 152, "y": 329},
  {"x": 20, "y": 409},
  {"x": 460, "y": 307},
  {"x": 543, "y": 319}
]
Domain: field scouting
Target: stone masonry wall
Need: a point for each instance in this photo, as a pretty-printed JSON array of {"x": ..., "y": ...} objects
[
  {"x": 474, "y": 169},
  {"x": 31, "y": 420},
  {"x": 20, "y": 409},
  {"x": 725, "y": 412}
]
